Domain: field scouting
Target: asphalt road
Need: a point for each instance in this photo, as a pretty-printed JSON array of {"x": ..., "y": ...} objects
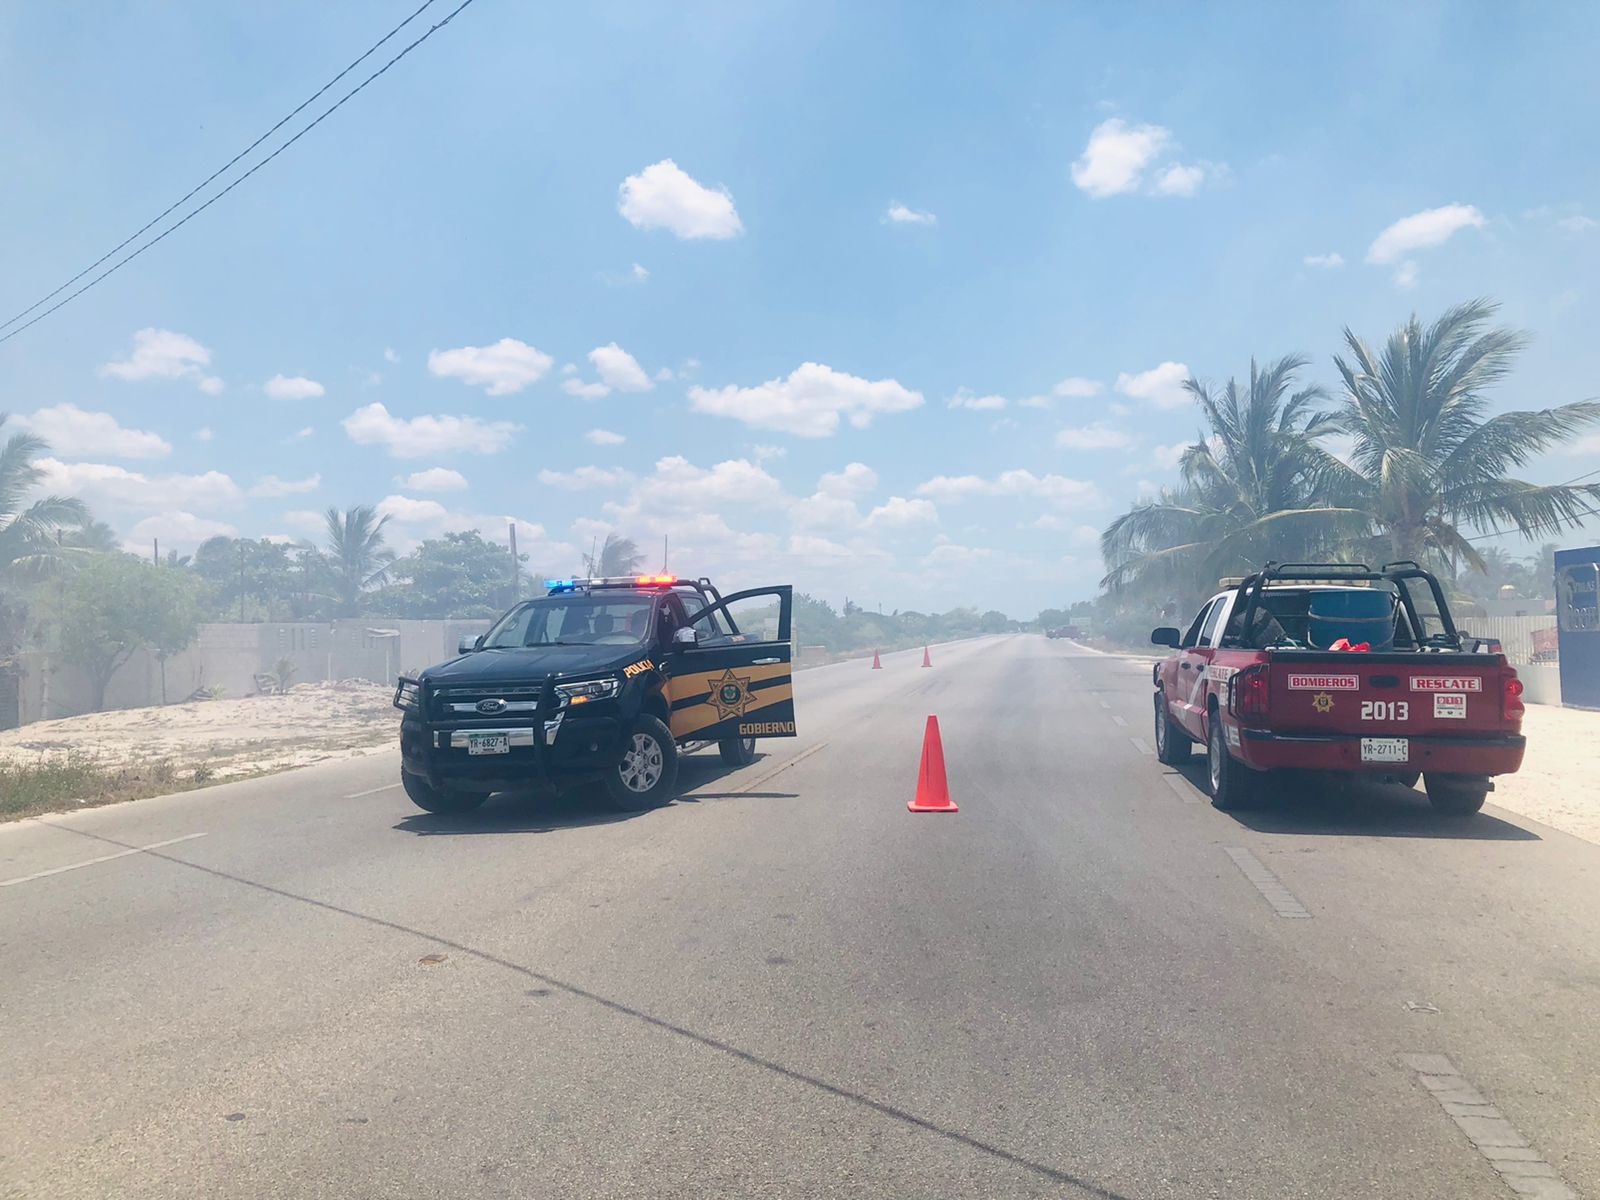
[{"x": 1083, "y": 985}]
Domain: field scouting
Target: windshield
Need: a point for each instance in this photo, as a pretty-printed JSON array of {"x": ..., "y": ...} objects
[{"x": 575, "y": 620}]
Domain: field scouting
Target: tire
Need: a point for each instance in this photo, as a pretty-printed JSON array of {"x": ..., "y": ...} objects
[
  {"x": 1173, "y": 746},
  {"x": 1455, "y": 795},
  {"x": 648, "y": 771},
  {"x": 437, "y": 800},
  {"x": 1233, "y": 785},
  {"x": 738, "y": 752}
]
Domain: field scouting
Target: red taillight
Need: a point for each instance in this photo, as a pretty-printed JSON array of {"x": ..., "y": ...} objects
[
  {"x": 1511, "y": 707},
  {"x": 1250, "y": 694}
]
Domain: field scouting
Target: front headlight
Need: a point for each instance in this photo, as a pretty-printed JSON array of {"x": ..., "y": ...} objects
[
  {"x": 589, "y": 690},
  {"x": 405, "y": 696}
]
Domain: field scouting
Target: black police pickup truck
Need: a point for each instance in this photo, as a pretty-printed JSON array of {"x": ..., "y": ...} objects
[{"x": 600, "y": 680}]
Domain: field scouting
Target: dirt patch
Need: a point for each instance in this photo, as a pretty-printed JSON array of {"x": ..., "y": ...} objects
[
  {"x": 1557, "y": 783},
  {"x": 219, "y": 739}
]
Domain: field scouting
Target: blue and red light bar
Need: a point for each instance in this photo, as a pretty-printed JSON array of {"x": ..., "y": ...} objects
[{"x": 567, "y": 585}]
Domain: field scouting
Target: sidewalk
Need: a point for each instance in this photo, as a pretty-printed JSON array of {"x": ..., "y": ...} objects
[{"x": 1559, "y": 784}]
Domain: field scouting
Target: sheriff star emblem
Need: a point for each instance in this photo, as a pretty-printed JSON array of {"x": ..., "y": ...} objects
[
  {"x": 731, "y": 695},
  {"x": 1322, "y": 702}
]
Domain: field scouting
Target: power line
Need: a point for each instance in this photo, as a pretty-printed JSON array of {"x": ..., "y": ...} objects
[{"x": 195, "y": 212}]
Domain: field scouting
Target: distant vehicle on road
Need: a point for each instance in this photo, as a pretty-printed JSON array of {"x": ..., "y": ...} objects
[
  {"x": 1064, "y": 631},
  {"x": 1338, "y": 667},
  {"x": 605, "y": 680}
]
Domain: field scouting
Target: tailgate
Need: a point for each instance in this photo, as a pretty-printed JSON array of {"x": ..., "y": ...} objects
[{"x": 1389, "y": 695}]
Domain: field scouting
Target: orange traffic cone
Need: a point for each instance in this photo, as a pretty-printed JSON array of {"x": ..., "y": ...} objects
[
  {"x": 926, "y": 661},
  {"x": 933, "y": 790},
  {"x": 876, "y": 665}
]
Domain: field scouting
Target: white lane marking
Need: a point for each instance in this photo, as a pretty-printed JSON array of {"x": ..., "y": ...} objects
[
  {"x": 1119, "y": 720},
  {"x": 370, "y": 792},
  {"x": 1269, "y": 885},
  {"x": 89, "y": 862},
  {"x": 1105, "y": 704},
  {"x": 1186, "y": 791},
  {"x": 1519, "y": 1164},
  {"x": 1141, "y": 746}
]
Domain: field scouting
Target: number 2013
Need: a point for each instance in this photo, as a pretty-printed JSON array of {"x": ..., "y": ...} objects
[{"x": 1385, "y": 710}]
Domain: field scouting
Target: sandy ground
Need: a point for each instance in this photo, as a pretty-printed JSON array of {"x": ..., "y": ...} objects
[
  {"x": 252, "y": 734},
  {"x": 1559, "y": 784}
]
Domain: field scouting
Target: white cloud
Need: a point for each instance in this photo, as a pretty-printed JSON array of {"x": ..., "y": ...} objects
[
  {"x": 412, "y": 521},
  {"x": 965, "y": 399},
  {"x": 618, "y": 369},
  {"x": 1076, "y": 387},
  {"x": 1169, "y": 456},
  {"x": 899, "y": 214},
  {"x": 809, "y": 403},
  {"x": 640, "y": 273},
  {"x": 663, "y": 375},
  {"x": 1161, "y": 385},
  {"x": 293, "y": 387},
  {"x": 1096, "y": 436},
  {"x": 163, "y": 354},
  {"x": 104, "y": 485},
  {"x": 1055, "y": 488},
  {"x": 949, "y": 554},
  {"x": 1583, "y": 446},
  {"x": 203, "y": 434},
  {"x": 899, "y": 513},
  {"x": 1577, "y": 224},
  {"x": 586, "y": 477},
  {"x": 1406, "y": 275},
  {"x": 272, "y": 486},
  {"x": 1116, "y": 157},
  {"x": 389, "y": 355},
  {"x": 72, "y": 432},
  {"x": 603, "y": 437},
  {"x": 302, "y": 434},
  {"x": 1431, "y": 227},
  {"x": 1180, "y": 180},
  {"x": 176, "y": 530},
  {"x": 664, "y": 196},
  {"x": 1328, "y": 262},
  {"x": 569, "y": 368},
  {"x": 679, "y": 486},
  {"x": 584, "y": 391},
  {"x": 434, "y": 479},
  {"x": 762, "y": 452},
  {"x": 503, "y": 369},
  {"x": 418, "y": 436},
  {"x": 857, "y": 479}
]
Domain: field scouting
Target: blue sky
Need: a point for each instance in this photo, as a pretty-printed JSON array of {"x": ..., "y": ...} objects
[{"x": 996, "y": 233}]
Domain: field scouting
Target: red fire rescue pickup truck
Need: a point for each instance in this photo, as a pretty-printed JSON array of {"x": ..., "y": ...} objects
[{"x": 1338, "y": 667}]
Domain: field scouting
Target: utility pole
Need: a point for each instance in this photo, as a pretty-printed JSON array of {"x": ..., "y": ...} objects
[
  {"x": 155, "y": 551},
  {"x": 516, "y": 570},
  {"x": 664, "y": 541}
]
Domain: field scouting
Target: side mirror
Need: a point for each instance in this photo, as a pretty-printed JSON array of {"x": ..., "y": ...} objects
[
  {"x": 1166, "y": 635},
  {"x": 685, "y": 637},
  {"x": 469, "y": 643}
]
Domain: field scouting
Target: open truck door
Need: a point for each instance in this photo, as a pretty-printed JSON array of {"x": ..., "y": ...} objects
[{"x": 730, "y": 669}]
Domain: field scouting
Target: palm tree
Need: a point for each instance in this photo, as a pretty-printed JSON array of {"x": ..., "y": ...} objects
[
  {"x": 1246, "y": 491},
  {"x": 1426, "y": 462},
  {"x": 618, "y": 556},
  {"x": 31, "y": 533},
  {"x": 356, "y": 554}
]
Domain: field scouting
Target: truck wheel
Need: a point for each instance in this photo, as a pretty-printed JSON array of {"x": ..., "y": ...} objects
[
  {"x": 738, "y": 752},
  {"x": 437, "y": 800},
  {"x": 1455, "y": 795},
  {"x": 1173, "y": 746},
  {"x": 649, "y": 768},
  {"x": 1233, "y": 785}
]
